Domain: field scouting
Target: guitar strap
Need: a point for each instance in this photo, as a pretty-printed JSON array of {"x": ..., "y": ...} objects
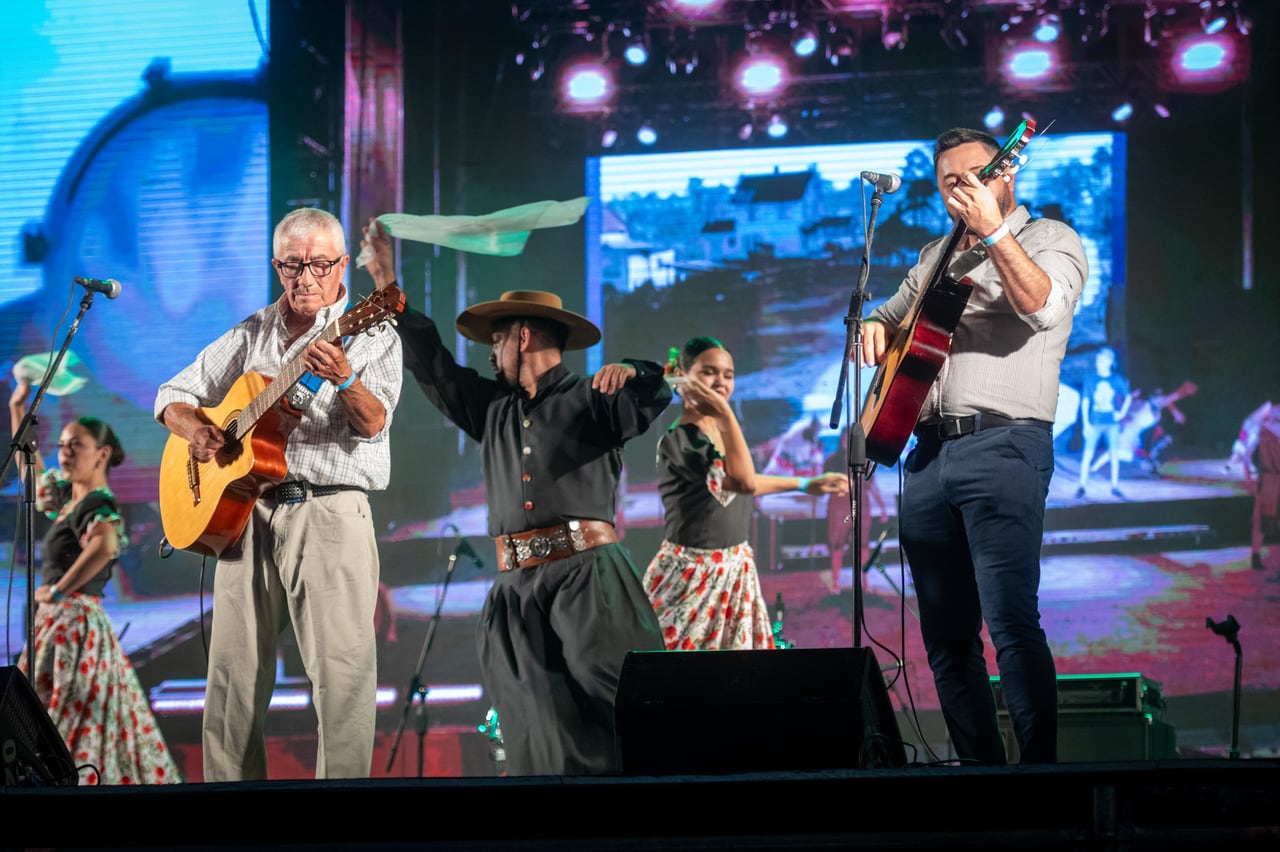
[
  {"x": 967, "y": 261},
  {"x": 304, "y": 390}
]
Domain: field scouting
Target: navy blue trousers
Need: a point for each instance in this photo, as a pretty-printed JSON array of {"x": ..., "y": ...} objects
[{"x": 972, "y": 523}]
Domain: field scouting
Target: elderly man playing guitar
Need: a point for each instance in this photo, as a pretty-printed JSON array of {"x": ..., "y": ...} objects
[{"x": 995, "y": 300}]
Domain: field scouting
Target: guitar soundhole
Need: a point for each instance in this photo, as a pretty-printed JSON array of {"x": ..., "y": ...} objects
[{"x": 233, "y": 447}]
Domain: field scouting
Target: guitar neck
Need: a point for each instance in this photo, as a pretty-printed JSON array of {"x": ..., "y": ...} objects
[{"x": 280, "y": 385}]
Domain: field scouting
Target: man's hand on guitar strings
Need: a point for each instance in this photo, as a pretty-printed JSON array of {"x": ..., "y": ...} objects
[
  {"x": 205, "y": 442},
  {"x": 328, "y": 361}
]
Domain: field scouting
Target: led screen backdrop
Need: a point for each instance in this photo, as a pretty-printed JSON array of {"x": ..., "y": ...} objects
[
  {"x": 763, "y": 248},
  {"x": 133, "y": 147}
]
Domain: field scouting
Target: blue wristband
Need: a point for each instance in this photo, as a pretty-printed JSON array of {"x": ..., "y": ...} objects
[
  {"x": 351, "y": 378},
  {"x": 804, "y": 484},
  {"x": 55, "y": 594},
  {"x": 997, "y": 235}
]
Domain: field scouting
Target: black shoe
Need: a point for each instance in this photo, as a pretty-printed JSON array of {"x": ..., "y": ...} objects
[
  {"x": 1080, "y": 493},
  {"x": 1118, "y": 494},
  {"x": 1255, "y": 561}
]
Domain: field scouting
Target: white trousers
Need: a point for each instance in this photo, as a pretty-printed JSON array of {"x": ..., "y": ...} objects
[{"x": 315, "y": 565}]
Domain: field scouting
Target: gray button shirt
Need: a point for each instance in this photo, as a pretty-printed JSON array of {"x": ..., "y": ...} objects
[{"x": 1001, "y": 361}]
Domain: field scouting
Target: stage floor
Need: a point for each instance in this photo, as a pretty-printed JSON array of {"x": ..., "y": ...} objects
[{"x": 1193, "y": 805}]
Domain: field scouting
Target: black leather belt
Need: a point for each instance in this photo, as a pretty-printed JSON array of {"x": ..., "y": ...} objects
[
  {"x": 299, "y": 491},
  {"x": 957, "y": 427}
]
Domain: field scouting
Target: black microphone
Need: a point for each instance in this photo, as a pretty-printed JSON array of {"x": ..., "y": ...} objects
[
  {"x": 885, "y": 183},
  {"x": 464, "y": 548},
  {"x": 108, "y": 287}
]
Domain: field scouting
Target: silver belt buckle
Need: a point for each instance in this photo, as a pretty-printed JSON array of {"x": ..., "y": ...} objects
[
  {"x": 540, "y": 546},
  {"x": 576, "y": 537}
]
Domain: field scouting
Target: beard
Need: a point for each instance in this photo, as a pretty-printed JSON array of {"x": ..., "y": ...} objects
[{"x": 501, "y": 377}]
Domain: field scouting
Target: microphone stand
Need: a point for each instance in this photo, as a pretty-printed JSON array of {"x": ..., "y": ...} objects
[
  {"x": 1229, "y": 629},
  {"x": 417, "y": 689},
  {"x": 24, "y": 441},
  {"x": 856, "y": 456}
]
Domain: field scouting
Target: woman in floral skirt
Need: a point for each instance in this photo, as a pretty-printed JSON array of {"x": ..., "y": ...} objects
[
  {"x": 80, "y": 671},
  {"x": 703, "y": 582}
]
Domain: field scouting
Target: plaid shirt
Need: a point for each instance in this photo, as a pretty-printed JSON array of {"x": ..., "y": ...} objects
[{"x": 323, "y": 449}]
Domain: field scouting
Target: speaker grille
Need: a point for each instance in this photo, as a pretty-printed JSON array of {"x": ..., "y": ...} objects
[
  {"x": 716, "y": 712},
  {"x": 31, "y": 748}
]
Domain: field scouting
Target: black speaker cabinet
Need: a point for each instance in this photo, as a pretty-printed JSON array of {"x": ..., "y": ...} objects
[
  {"x": 722, "y": 712},
  {"x": 31, "y": 749}
]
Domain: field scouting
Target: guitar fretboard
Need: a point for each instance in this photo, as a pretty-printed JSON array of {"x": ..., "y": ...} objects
[{"x": 272, "y": 393}]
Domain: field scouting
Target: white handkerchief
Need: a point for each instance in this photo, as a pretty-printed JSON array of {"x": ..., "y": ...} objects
[{"x": 503, "y": 232}]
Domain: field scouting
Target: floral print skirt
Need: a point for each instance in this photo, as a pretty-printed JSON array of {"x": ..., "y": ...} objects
[
  {"x": 93, "y": 695},
  {"x": 708, "y": 600}
]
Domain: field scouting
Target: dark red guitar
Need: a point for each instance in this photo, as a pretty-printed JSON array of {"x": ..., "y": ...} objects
[{"x": 915, "y": 355}]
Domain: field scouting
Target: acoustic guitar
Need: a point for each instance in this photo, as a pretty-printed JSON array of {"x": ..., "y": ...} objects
[
  {"x": 915, "y": 355},
  {"x": 205, "y": 506}
]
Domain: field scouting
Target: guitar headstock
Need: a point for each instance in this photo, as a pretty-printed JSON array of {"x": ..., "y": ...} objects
[
  {"x": 1007, "y": 162},
  {"x": 378, "y": 307}
]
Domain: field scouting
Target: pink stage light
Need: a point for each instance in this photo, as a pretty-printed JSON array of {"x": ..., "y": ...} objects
[
  {"x": 1207, "y": 63},
  {"x": 587, "y": 85},
  {"x": 761, "y": 74},
  {"x": 1031, "y": 63}
]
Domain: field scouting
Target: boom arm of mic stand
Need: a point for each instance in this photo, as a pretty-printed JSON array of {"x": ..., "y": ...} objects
[{"x": 24, "y": 440}]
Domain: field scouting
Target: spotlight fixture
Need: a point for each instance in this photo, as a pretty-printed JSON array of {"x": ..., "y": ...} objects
[
  {"x": 636, "y": 51},
  {"x": 804, "y": 41},
  {"x": 587, "y": 85},
  {"x": 608, "y": 138},
  {"x": 1048, "y": 28},
  {"x": 682, "y": 57},
  {"x": 893, "y": 29},
  {"x": 952, "y": 32},
  {"x": 1122, "y": 113},
  {"x": 994, "y": 118},
  {"x": 841, "y": 45},
  {"x": 762, "y": 74},
  {"x": 1094, "y": 25},
  {"x": 1213, "y": 17},
  {"x": 646, "y": 135},
  {"x": 777, "y": 127}
]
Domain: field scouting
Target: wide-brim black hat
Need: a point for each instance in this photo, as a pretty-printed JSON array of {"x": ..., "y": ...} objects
[{"x": 476, "y": 322}]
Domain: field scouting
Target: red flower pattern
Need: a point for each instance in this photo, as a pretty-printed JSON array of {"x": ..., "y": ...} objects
[
  {"x": 77, "y": 680},
  {"x": 708, "y": 608}
]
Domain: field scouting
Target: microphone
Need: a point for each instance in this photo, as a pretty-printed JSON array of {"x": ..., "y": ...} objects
[
  {"x": 464, "y": 548},
  {"x": 108, "y": 287},
  {"x": 885, "y": 183}
]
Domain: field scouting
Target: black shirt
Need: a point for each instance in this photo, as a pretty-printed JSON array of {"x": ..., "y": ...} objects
[
  {"x": 692, "y": 516},
  {"x": 62, "y": 541},
  {"x": 547, "y": 459}
]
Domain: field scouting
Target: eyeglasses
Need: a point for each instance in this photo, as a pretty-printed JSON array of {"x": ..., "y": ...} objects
[{"x": 293, "y": 268}]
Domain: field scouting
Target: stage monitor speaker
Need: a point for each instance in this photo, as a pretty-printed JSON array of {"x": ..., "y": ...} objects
[
  {"x": 1104, "y": 738},
  {"x": 722, "y": 712},
  {"x": 32, "y": 750}
]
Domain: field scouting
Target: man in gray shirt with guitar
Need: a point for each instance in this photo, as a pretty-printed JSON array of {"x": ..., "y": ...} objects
[{"x": 969, "y": 351}]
